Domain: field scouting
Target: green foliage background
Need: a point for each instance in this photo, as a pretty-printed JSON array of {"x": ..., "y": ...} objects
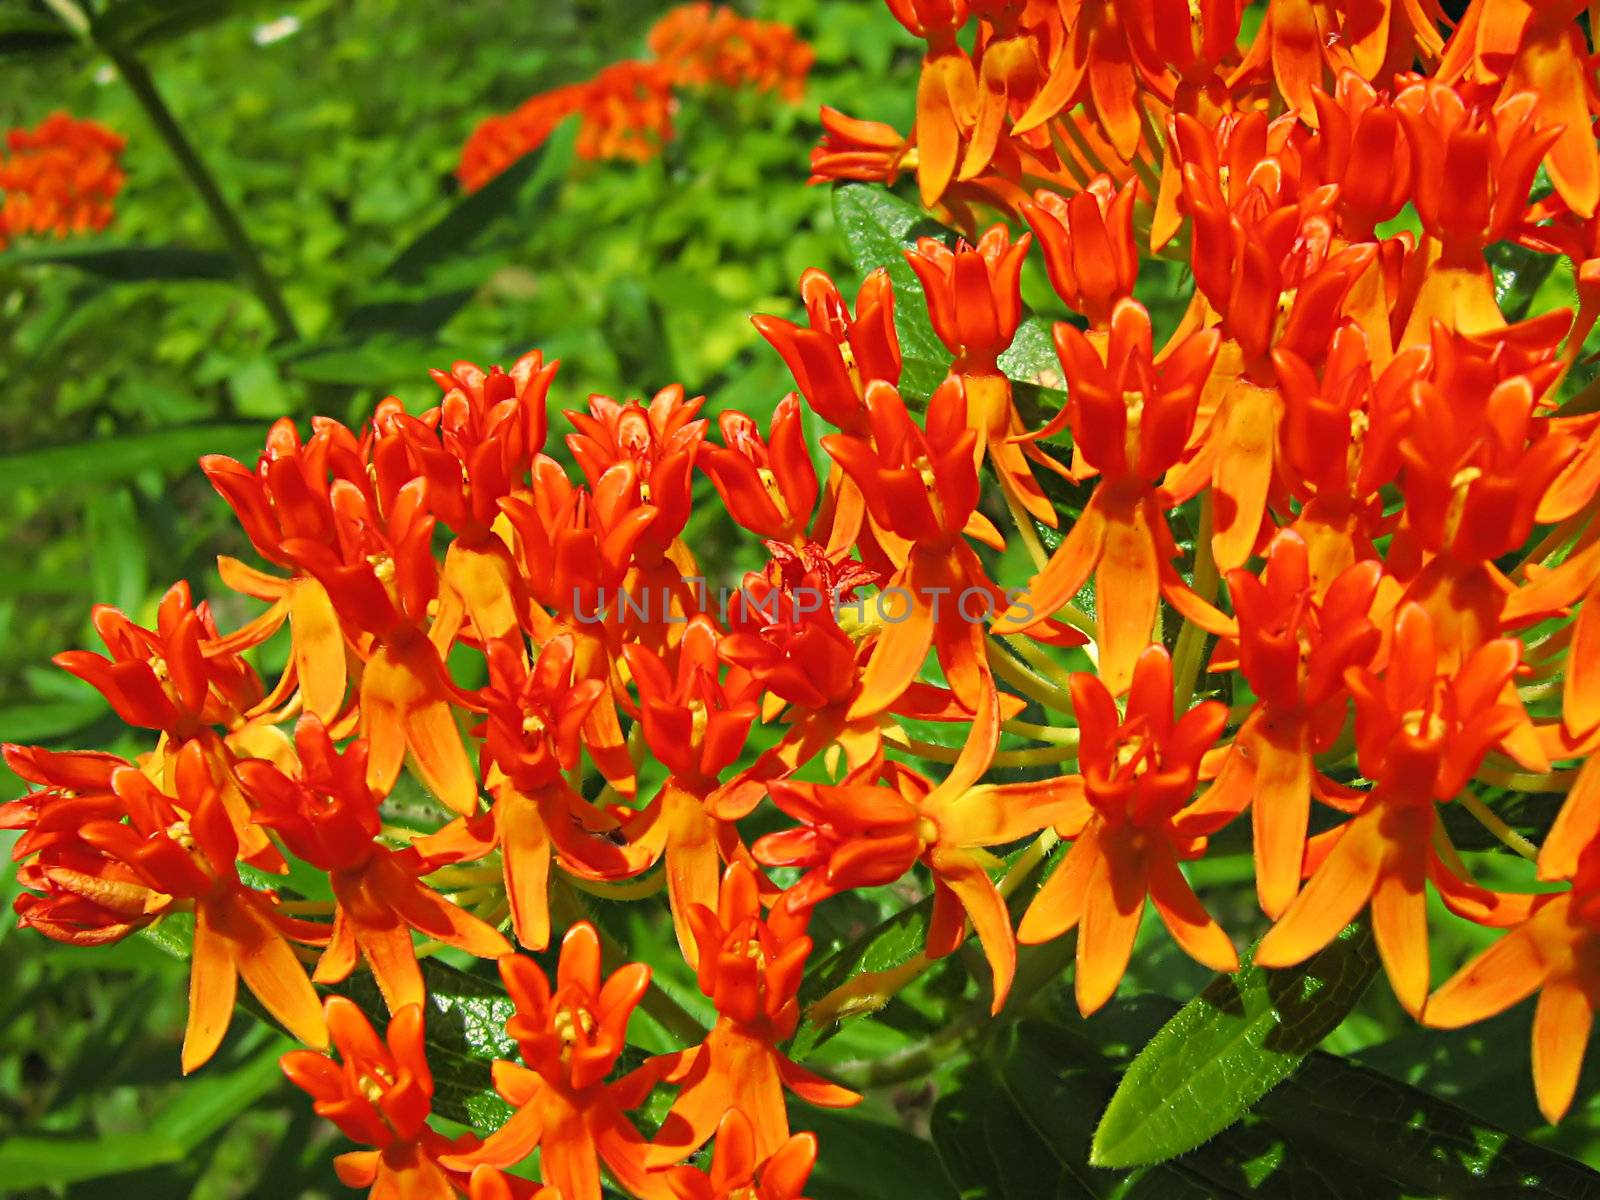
[{"x": 337, "y": 144}]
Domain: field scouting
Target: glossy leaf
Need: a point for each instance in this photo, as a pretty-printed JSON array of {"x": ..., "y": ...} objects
[{"x": 1228, "y": 1047}]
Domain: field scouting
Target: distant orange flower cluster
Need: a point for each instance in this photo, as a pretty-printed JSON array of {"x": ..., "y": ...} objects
[
  {"x": 59, "y": 178},
  {"x": 1345, "y": 481},
  {"x": 626, "y": 110}
]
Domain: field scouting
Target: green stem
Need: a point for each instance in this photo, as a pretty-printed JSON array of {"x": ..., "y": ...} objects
[
  {"x": 143, "y": 87},
  {"x": 204, "y": 183},
  {"x": 1189, "y": 652}
]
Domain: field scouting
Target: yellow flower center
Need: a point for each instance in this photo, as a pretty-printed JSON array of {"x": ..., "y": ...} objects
[
  {"x": 179, "y": 832},
  {"x": 383, "y": 567}
]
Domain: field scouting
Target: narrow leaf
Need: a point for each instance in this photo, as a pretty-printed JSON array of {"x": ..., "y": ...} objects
[
  {"x": 1228, "y": 1047},
  {"x": 126, "y": 264},
  {"x": 119, "y": 457}
]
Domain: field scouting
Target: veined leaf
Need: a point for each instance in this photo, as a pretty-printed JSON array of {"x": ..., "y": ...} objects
[
  {"x": 110, "y": 459},
  {"x": 879, "y": 227},
  {"x": 1228, "y": 1047},
  {"x": 1018, "y": 1124},
  {"x": 125, "y": 264}
]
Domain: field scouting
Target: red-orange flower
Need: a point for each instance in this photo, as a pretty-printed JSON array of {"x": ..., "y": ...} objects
[
  {"x": 1420, "y": 736},
  {"x": 1134, "y": 817},
  {"x": 570, "y": 1040},
  {"x": 328, "y": 817},
  {"x": 863, "y": 834},
  {"x": 1554, "y": 951},
  {"x": 769, "y": 485},
  {"x": 704, "y": 44},
  {"x": 750, "y": 966},
  {"x": 184, "y": 846},
  {"x": 1088, "y": 245},
  {"x": 1131, "y": 420},
  {"x": 696, "y": 725},
  {"x": 737, "y": 1173},
  {"x": 380, "y": 1094},
  {"x": 59, "y": 177},
  {"x": 1294, "y": 649}
]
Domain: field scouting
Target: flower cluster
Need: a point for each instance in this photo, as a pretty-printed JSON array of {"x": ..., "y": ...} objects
[
  {"x": 626, "y": 111},
  {"x": 1345, "y": 470},
  {"x": 59, "y": 178}
]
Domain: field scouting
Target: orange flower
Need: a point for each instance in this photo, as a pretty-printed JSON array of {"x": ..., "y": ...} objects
[
  {"x": 532, "y": 736},
  {"x": 1130, "y": 421},
  {"x": 626, "y": 112},
  {"x": 855, "y": 149},
  {"x": 1133, "y": 816},
  {"x": 475, "y": 449},
  {"x": 751, "y": 969},
  {"x": 769, "y": 486},
  {"x": 501, "y": 139},
  {"x": 59, "y": 177},
  {"x": 975, "y": 301},
  {"x": 736, "y": 1173},
  {"x": 77, "y": 895},
  {"x": 1505, "y": 47},
  {"x": 1088, "y": 246},
  {"x": 696, "y": 725},
  {"x": 1553, "y": 951},
  {"x": 703, "y": 44},
  {"x": 176, "y": 679},
  {"x": 921, "y": 490},
  {"x": 1471, "y": 171},
  {"x": 833, "y": 360},
  {"x": 184, "y": 847},
  {"x": 570, "y": 1040},
  {"x": 1294, "y": 649},
  {"x": 380, "y": 1094},
  {"x": 287, "y": 498},
  {"x": 328, "y": 817},
  {"x": 862, "y": 834},
  {"x": 947, "y": 93},
  {"x": 1420, "y": 735}
]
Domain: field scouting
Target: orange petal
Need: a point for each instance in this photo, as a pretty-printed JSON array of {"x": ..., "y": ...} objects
[
  {"x": 1400, "y": 923},
  {"x": 1576, "y": 826},
  {"x": 1338, "y": 890},
  {"x": 1248, "y": 438},
  {"x": 1180, "y": 910},
  {"x": 961, "y": 873},
  {"x": 691, "y": 865},
  {"x": 212, "y": 987},
  {"x": 1112, "y": 911},
  {"x": 319, "y": 656},
  {"x": 1127, "y": 594},
  {"x": 1058, "y": 906},
  {"x": 1066, "y": 572},
  {"x": 388, "y": 950},
  {"x": 525, "y": 849},
  {"x": 1561, "y": 1024},
  {"x": 1506, "y": 973},
  {"x": 1282, "y": 800},
  {"x": 267, "y": 964}
]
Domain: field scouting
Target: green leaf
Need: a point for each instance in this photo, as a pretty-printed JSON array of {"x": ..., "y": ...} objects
[
  {"x": 1017, "y": 1124},
  {"x": 204, "y": 1105},
  {"x": 515, "y": 190},
  {"x": 879, "y": 227},
  {"x": 122, "y": 456},
  {"x": 126, "y": 264},
  {"x": 25, "y": 35},
  {"x": 132, "y": 24},
  {"x": 1228, "y": 1047}
]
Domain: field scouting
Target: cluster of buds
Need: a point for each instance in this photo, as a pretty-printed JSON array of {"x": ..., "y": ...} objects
[
  {"x": 626, "y": 110},
  {"x": 59, "y": 178},
  {"x": 1374, "y": 659}
]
